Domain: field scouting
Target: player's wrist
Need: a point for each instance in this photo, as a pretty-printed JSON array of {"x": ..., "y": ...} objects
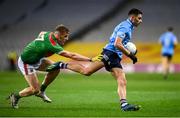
[{"x": 130, "y": 54}]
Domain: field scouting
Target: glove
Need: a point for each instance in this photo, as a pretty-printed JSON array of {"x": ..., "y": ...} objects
[
  {"x": 132, "y": 57},
  {"x": 135, "y": 52},
  {"x": 97, "y": 58}
]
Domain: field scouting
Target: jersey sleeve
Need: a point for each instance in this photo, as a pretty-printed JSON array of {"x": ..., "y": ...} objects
[
  {"x": 56, "y": 49},
  {"x": 121, "y": 33},
  {"x": 161, "y": 38},
  {"x": 175, "y": 39}
]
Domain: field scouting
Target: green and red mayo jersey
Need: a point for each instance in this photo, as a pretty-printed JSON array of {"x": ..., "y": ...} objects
[{"x": 43, "y": 46}]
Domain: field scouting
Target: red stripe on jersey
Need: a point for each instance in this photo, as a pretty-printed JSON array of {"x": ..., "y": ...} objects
[
  {"x": 51, "y": 40},
  {"x": 25, "y": 69}
]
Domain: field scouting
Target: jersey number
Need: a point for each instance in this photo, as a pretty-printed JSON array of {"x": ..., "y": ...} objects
[{"x": 41, "y": 36}]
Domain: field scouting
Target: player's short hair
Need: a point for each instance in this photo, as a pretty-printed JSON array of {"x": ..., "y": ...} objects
[
  {"x": 134, "y": 11},
  {"x": 62, "y": 28},
  {"x": 170, "y": 29}
]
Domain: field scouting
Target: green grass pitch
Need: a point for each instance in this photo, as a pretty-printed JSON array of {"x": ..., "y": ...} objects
[{"x": 75, "y": 95}]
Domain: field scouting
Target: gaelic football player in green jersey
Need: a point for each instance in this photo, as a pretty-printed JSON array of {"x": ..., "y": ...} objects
[{"x": 34, "y": 57}]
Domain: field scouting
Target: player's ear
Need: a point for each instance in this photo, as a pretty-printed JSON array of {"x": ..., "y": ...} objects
[{"x": 133, "y": 17}]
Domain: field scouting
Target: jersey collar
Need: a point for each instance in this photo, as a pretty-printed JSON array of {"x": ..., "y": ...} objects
[
  {"x": 130, "y": 23},
  {"x": 52, "y": 39}
]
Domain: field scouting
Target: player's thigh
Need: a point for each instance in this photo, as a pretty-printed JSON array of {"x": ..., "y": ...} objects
[
  {"x": 169, "y": 58},
  {"x": 164, "y": 60},
  {"x": 32, "y": 80},
  {"x": 119, "y": 75},
  {"x": 44, "y": 64}
]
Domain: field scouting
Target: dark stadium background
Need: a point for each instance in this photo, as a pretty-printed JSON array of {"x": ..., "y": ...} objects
[{"x": 91, "y": 23}]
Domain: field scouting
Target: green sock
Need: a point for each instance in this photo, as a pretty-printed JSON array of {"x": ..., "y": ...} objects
[
  {"x": 17, "y": 95},
  {"x": 43, "y": 87}
]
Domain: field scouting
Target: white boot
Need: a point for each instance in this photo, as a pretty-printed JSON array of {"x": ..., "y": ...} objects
[{"x": 44, "y": 97}]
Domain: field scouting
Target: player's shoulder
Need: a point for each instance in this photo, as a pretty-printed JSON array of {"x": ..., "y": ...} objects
[
  {"x": 124, "y": 24},
  {"x": 42, "y": 33},
  {"x": 122, "y": 27},
  {"x": 45, "y": 32},
  {"x": 172, "y": 34}
]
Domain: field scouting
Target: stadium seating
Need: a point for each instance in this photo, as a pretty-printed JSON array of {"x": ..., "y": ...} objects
[
  {"x": 20, "y": 24},
  {"x": 21, "y": 21}
]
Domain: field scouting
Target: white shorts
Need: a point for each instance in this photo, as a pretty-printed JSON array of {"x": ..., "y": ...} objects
[{"x": 27, "y": 69}]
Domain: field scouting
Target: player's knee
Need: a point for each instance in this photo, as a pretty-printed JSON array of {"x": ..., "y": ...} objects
[
  {"x": 122, "y": 81},
  {"x": 87, "y": 74},
  {"x": 87, "y": 71},
  {"x": 35, "y": 90}
]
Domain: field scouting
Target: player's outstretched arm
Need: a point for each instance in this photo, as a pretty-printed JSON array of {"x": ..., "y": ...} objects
[{"x": 74, "y": 56}]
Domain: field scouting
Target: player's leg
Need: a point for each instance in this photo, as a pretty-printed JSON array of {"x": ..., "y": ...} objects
[
  {"x": 32, "y": 80},
  {"x": 119, "y": 75},
  {"x": 169, "y": 57},
  {"x": 121, "y": 81},
  {"x": 112, "y": 63},
  {"x": 48, "y": 79},
  {"x": 33, "y": 88},
  {"x": 86, "y": 69},
  {"x": 165, "y": 66}
]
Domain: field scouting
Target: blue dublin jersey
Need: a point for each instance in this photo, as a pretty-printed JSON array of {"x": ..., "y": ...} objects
[
  {"x": 167, "y": 40},
  {"x": 123, "y": 31}
]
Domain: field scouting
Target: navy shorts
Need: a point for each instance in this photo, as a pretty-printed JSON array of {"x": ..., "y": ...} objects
[
  {"x": 169, "y": 56},
  {"x": 111, "y": 60}
]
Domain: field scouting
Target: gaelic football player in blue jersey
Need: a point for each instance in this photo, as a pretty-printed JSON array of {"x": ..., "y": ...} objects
[
  {"x": 168, "y": 41},
  {"x": 111, "y": 57}
]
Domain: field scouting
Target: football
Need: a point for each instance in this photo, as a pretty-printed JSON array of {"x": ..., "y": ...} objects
[{"x": 131, "y": 47}]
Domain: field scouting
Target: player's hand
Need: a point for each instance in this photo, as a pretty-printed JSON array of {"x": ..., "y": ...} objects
[
  {"x": 133, "y": 58},
  {"x": 97, "y": 58},
  {"x": 135, "y": 52}
]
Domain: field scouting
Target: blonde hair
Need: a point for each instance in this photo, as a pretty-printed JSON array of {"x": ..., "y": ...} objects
[{"x": 62, "y": 29}]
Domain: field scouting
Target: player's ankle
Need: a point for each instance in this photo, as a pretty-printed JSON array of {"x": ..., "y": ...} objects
[
  {"x": 17, "y": 95},
  {"x": 43, "y": 88},
  {"x": 63, "y": 65},
  {"x": 123, "y": 102}
]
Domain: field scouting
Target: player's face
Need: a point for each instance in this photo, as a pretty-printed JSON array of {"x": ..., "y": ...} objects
[
  {"x": 63, "y": 38},
  {"x": 137, "y": 19}
]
